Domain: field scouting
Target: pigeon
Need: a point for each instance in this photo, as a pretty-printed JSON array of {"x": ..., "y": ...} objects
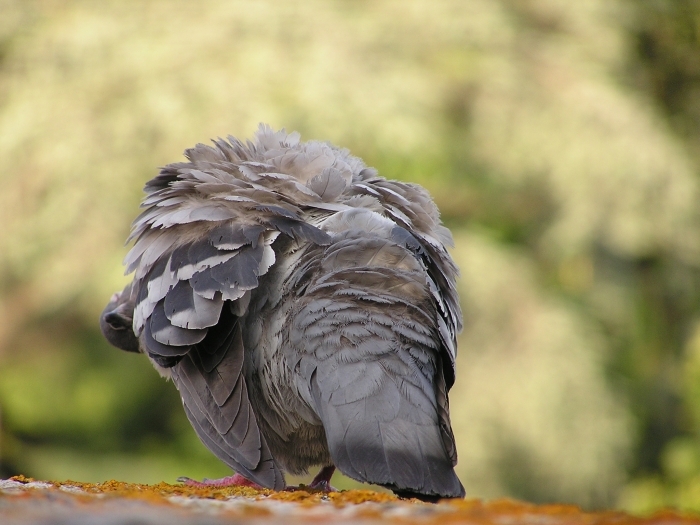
[{"x": 304, "y": 307}]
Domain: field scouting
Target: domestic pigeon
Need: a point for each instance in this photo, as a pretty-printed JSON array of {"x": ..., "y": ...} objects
[{"x": 304, "y": 307}]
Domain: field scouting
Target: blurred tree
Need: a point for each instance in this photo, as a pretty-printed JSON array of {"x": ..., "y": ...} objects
[
  {"x": 664, "y": 65},
  {"x": 666, "y": 62}
]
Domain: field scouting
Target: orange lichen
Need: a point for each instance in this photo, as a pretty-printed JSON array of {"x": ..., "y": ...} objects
[
  {"x": 361, "y": 496},
  {"x": 346, "y": 497},
  {"x": 161, "y": 491},
  {"x": 22, "y": 479},
  {"x": 389, "y": 508},
  {"x": 511, "y": 511}
]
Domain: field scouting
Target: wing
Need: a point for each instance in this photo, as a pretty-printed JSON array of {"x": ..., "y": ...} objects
[
  {"x": 419, "y": 228},
  {"x": 372, "y": 359},
  {"x": 201, "y": 246},
  {"x": 214, "y": 393}
]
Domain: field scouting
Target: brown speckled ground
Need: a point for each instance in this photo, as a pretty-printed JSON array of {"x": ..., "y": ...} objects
[{"x": 26, "y": 501}]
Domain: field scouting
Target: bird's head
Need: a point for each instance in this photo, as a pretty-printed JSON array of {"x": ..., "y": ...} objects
[{"x": 116, "y": 321}]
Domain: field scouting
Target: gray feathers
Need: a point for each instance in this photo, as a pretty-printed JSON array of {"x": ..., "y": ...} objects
[{"x": 304, "y": 307}]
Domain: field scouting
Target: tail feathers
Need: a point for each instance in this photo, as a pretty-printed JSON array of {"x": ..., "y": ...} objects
[{"x": 404, "y": 456}]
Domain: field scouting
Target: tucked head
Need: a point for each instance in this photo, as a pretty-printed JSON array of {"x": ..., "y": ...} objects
[{"x": 116, "y": 321}]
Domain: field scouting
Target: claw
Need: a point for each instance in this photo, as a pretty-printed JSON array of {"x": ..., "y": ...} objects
[
  {"x": 323, "y": 486},
  {"x": 321, "y": 483}
]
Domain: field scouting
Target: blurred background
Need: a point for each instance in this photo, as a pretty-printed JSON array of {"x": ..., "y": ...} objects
[{"x": 560, "y": 139}]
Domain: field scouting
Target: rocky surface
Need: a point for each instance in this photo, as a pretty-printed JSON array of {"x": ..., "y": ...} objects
[{"x": 27, "y": 501}]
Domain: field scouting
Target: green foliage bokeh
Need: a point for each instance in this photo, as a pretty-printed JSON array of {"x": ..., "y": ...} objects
[{"x": 560, "y": 140}]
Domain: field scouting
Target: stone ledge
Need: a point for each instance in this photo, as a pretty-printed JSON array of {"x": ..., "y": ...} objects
[{"x": 24, "y": 501}]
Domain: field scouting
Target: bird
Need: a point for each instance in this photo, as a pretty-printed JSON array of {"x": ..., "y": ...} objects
[{"x": 306, "y": 310}]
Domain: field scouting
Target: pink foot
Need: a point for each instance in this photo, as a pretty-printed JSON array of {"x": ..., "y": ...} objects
[{"x": 230, "y": 481}]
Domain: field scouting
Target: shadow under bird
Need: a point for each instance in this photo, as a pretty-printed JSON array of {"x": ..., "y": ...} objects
[{"x": 305, "y": 309}]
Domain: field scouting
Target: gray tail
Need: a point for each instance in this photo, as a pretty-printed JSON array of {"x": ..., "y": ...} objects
[{"x": 391, "y": 436}]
